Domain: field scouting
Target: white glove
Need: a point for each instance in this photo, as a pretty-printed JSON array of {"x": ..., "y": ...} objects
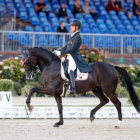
[{"x": 57, "y": 52}]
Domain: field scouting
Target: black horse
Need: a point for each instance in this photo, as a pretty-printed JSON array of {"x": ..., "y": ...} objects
[{"x": 102, "y": 81}]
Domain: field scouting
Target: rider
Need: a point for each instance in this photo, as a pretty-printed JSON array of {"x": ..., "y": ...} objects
[{"x": 73, "y": 55}]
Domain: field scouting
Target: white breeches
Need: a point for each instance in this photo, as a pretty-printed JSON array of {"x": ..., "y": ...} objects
[{"x": 72, "y": 64}]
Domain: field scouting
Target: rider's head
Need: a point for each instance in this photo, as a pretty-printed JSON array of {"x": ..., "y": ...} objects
[{"x": 75, "y": 25}]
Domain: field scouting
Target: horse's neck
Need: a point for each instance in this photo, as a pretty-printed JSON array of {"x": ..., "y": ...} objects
[{"x": 44, "y": 58}]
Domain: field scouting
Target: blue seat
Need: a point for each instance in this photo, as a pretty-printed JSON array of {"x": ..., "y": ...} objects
[
  {"x": 42, "y": 14},
  {"x": 93, "y": 25},
  {"x": 48, "y": 29},
  {"x": 126, "y": 22},
  {"x": 32, "y": 14},
  {"x": 120, "y": 27},
  {"x": 90, "y": 20},
  {"x": 114, "y": 31},
  {"x": 34, "y": 21},
  {"x": 134, "y": 23},
  {"x": 104, "y": 31},
  {"x": 111, "y": 27},
  {"x": 53, "y": 41},
  {"x": 79, "y": 15},
  {"x": 62, "y": 19},
  {"x": 99, "y": 21},
  {"x": 38, "y": 29},
  {"x": 11, "y": 36},
  {"x": 43, "y": 19},
  {"x": 88, "y": 16},
  {"x": 50, "y": 15},
  {"x": 132, "y": 32},
  {"x": 46, "y": 24},
  {"x": 95, "y": 30},
  {"x": 123, "y": 18},
  {"x": 42, "y": 41},
  {"x": 122, "y": 31},
  {"x": 48, "y": 7},
  {"x": 29, "y": 29},
  {"x": 112, "y": 13},
  {"x": 23, "y": 16}
]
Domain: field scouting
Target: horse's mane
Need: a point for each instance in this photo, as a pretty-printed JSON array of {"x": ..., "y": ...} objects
[{"x": 41, "y": 49}]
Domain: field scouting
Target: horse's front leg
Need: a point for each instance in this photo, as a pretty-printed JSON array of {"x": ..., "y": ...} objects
[
  {"x": 43, "y": 90},
  {"x": 60, "y": 110}
]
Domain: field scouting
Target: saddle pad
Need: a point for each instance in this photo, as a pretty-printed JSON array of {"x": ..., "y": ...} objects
[{"x": 80, "y": 76}]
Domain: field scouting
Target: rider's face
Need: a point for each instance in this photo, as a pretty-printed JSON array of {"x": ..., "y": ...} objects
[{"x": 72, "y": 27}]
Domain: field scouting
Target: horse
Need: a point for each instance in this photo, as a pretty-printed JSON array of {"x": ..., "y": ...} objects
[{"x": 102, "y": 81}]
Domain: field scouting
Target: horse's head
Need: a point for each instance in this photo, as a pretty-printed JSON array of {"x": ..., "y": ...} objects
[{"x": 30, "y": 63}]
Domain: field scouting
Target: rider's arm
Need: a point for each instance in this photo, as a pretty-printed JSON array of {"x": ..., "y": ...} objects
[
  {"x": 64, "y": 48},
  {"x": 75, "y": 43}
]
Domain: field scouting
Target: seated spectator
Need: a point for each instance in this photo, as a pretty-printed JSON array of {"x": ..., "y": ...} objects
[
  {"x": 119, "y": 6},
  {"x": 77, "y": 8},
  {"x": 137, "y": 10},
  {"x": 40, "y": 7},
  {"x": 62, "y": 11},
  {"x": 62, "y": 28},
  {"x": 87, "y": 9},
  {"x": 135, "y": 5},
  {"x": 111, "y": 6}
]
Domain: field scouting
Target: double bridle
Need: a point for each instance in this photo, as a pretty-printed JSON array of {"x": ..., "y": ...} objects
[{"x": 30, "y": 63}]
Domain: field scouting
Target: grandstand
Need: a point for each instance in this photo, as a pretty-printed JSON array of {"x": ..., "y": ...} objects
[{"x": 110, "y": 32}]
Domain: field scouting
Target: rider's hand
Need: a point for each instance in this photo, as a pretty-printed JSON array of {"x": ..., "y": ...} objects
[{"x": 57, "y": 52}]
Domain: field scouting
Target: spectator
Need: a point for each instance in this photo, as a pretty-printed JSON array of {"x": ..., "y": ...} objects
[
  {"x": 87, "y": 9},
  {"x": 135, "y": 5},
  {"x": 62, "y": 11},
  {"x": 40, "y": 7},
  {"x": 111, "y": 6},
  {"x": 77, "y": 8},
  {"x": 62, "y": 28},
  {"x": 137, "y": 10},
  {"x": 119, "y": 6}
]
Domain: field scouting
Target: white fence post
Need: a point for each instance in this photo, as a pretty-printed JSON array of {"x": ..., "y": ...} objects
[
  {"x": 121, "y": 45},
  {"x": 2, "y": 41}
]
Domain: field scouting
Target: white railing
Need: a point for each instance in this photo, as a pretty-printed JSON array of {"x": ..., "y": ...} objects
[
  {"x": 113, "y": 44},
  {"x": 68, "y": 112}
]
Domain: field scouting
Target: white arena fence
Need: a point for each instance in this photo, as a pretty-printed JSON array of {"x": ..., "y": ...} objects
[
  {"x": 68, "y": 112},
  {"x": 113, "y": 44}
]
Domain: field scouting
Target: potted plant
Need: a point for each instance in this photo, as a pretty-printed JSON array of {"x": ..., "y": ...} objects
[{"x": 6, "y": 87}]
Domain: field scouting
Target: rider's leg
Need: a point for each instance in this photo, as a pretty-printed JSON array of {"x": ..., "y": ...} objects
[
  {"x": 71, "y": 69},
  {"x": 72, "y": 80}
]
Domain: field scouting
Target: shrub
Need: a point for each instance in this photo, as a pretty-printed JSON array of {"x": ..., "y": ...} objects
[
  {"x": 17, "y": 87},
  {"x": 121, "y": 91},
  {"x": 26, "y": 89},
  {"x": 6, "y": 85}
]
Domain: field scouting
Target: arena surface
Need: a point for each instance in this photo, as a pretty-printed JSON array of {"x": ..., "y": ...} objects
[{"x": 82, "y": 129}]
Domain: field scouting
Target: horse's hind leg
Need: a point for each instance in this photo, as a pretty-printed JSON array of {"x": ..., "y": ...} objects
[
  {"x": 117, "y": 104},
  {"x": 103, "y": 100}
]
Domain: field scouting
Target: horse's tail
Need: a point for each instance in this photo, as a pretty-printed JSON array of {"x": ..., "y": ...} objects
[{"x": 132, "y": 93}]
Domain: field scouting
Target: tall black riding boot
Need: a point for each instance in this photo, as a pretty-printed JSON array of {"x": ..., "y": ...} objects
[{"x": 72, "y": 80}]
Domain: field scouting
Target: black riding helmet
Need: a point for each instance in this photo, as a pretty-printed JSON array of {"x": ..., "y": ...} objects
[{"x": 76, "y": 22}]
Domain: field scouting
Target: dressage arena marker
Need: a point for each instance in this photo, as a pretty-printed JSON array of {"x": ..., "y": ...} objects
[{"x": 69, "y": 112}]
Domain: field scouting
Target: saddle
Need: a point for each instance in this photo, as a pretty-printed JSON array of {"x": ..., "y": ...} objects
[{"x": 64, "y": 72}]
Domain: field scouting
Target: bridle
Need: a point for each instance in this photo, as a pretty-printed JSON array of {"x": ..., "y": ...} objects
[
  {"x": 28, "y": 61},
  {"x": 33, "y": 69}
]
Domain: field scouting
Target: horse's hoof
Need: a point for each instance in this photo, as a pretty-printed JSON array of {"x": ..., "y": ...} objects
[
  {"x": 92, "y": 119},
  {"x": 117, "y": 127},
  {"x": 31, "y": 108},
  {"x": 56, "y": 125}
]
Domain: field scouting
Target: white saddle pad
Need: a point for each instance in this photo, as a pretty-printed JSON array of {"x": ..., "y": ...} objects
[{"x": 80, "y": 76}]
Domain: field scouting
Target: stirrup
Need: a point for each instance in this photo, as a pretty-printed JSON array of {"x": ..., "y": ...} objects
[{"x": 73, "y": 91}]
